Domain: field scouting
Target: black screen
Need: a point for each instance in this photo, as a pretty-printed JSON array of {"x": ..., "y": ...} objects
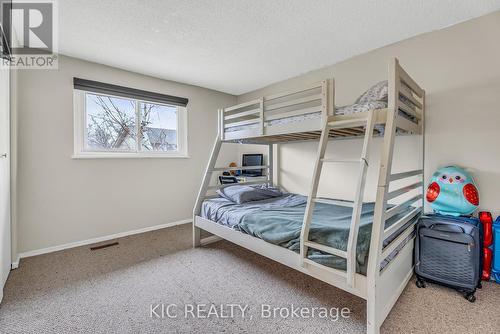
[{"x": 252, "y": 160}]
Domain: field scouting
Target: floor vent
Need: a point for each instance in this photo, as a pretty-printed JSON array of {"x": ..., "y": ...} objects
[{"x": 104, "y": 246}]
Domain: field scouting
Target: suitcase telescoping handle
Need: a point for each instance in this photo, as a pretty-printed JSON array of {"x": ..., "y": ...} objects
[{"x": 447, "y": 228}]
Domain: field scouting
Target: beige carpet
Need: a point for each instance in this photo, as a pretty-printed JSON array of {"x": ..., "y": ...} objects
[{"x": 111, "y": 291}]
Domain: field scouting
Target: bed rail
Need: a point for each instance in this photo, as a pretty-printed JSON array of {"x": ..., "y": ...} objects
[
  {"x": 254, "y": 114},
  {"x": 247, "y": 113},
  {"x": 259, "y": 119},
  {"x": 406, "y": 88},
  {"x": 408, "y": 201}
]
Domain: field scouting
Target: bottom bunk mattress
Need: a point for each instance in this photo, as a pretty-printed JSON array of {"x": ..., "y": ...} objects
[{"x": 279, "y": 221}]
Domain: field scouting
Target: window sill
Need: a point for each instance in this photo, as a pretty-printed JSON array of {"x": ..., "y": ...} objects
[{"x": 96, "y": 155}]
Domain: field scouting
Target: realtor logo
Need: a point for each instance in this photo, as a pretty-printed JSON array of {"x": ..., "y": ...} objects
[{"x": 30, "y": 31}]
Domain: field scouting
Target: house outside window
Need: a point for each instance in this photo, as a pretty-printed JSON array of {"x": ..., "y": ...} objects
[{"x": 112, "y": 126}]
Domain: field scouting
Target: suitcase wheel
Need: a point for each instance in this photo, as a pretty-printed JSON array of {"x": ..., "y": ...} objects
[
  {"x": 470, "y": 297},
  {"x": 420, "y": 283}
]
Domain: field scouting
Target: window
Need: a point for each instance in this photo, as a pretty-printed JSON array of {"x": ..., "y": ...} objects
[{"x": 108, "y": 125}]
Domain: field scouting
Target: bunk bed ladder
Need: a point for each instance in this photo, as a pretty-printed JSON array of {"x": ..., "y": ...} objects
[{"x": 350, "y": 253}]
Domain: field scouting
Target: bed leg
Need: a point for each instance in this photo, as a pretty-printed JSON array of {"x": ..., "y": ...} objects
[
  {"x": 371, "y": 322},
  {"x": 372, "y": 326},
  {"x": 196, "y": 236}
]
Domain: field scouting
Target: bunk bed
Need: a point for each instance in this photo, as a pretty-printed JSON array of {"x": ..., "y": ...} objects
[{"x": 379, "y": 235}]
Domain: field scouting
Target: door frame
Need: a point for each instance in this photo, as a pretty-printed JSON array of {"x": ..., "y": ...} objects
[{"x": 8, "y": 138}]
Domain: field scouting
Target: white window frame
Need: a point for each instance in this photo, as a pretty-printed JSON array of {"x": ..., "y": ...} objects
[{"x": 79, "y": 151}]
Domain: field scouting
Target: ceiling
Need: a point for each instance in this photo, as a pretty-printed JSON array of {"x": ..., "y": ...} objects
[{"x": 236, "y": 46}]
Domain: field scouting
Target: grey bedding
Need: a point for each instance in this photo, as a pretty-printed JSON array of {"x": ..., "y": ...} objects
[
  {"x": 279, "y": 221},
  {"x": 227, "y": 213}
]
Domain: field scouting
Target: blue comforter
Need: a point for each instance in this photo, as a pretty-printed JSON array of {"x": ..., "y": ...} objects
[
  {"x": 279, "y": 221},
  {"x": 330, "y": 226}
]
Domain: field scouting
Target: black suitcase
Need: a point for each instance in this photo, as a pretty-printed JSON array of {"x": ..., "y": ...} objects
[{"x": 448, "y": 252}]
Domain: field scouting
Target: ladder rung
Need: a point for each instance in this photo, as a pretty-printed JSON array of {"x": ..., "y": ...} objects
[
  {"x": 342, "y": 160},
  {"x": 346, "y": 160},
  {"x": 332, "y": 270},
  {"x": 333, "y": 202},
  {"x": 326, "y": 249}
]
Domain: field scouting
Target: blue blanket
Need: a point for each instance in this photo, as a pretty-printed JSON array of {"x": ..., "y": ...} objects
[
  {"x": 279, "y": 221},
  {"x": 330, "y": 226}
]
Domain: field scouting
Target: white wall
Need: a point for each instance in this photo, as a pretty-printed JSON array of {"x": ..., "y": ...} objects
[
  {"x": 62, "y": 200},
  {"x": 459, "y": 67},
  {"x": 339, "y": 180}
]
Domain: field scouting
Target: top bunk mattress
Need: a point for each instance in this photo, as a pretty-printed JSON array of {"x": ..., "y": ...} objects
[{"x": 279, "y": 221}]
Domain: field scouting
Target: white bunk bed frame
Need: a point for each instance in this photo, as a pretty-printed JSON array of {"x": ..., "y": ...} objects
[{"x": 380, "y": 288}]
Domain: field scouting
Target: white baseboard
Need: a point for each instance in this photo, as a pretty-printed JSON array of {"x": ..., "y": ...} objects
[
  {"x": 95, "y": 240},
  {"x": 15, "y": 263}
]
